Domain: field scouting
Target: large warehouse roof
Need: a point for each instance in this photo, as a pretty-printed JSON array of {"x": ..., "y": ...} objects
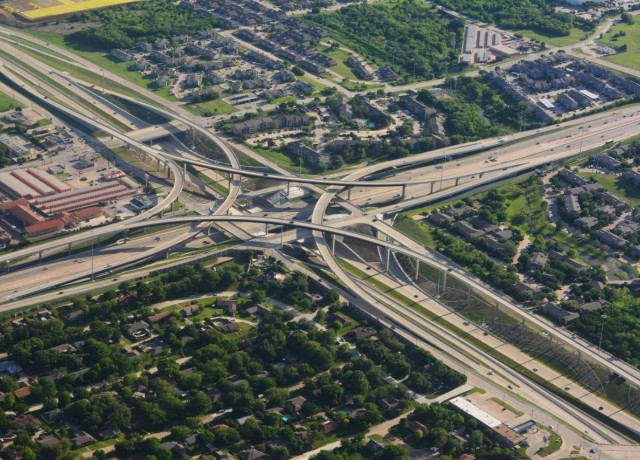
[
  {"x": 15, "y": 187},
  {"x": 474, "y": 411},
  {"x": 33, "y": 182},
  {"x": 50, "y": 180}
]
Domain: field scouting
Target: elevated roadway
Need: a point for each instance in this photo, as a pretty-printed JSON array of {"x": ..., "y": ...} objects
[{"x": 407, "y": 318}]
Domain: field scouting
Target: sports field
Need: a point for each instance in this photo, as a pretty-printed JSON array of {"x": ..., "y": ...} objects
[{"x": 39, "y": 10}]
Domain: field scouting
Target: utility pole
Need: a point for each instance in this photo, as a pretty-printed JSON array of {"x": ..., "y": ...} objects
[{"x": 102, "y": 81}]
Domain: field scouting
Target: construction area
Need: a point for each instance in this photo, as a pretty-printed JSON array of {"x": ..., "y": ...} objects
[{"x": 38, "y": 10}]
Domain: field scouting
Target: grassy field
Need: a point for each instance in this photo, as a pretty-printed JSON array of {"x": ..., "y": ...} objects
[
  {"x": 555, "y": 442},
  {"x": 575, "y": 36},
  {"x": 617, "y": 186},
  {"x": 215, "y": 107},
  {"x": 340, "y": 56},
  {"x": 283, "y": 160},
  {"x": 99, "y": 58},
  {"x": 631, "y": 57},
  {"x": 8, "y": 103},
  {"x": 319, "y": 86}
]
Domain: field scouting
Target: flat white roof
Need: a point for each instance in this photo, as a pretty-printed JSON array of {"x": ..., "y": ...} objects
[
  {"x": 466, "y": 406},
  {"x": 589, "y": 94},
  {"x": 503, "y": 49},
  {"x": 53, "y": 180},
  {"x": 546, "y": 102}
]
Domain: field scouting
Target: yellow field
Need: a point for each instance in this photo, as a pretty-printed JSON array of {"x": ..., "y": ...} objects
[{"x": 69, "y": 6}]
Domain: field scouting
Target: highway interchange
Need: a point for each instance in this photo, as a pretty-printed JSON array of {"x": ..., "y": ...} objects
[{"x": 468, "y": 168}]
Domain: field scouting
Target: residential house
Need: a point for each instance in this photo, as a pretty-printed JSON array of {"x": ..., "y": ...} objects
[
  {"x": 361, "y": 333},
  {"x": 588, "y": 221},
  {"x": 297, "y": 403},
  {"x": 122, "y": 55},
  {"x": 339, "y": 317},
  {"x": 557, "y": 312},
  {"x": 307, "y": 154},
  {"x": 440, "y": 219},
  {"x": 414, "y": 426},
  {"x": 611, "y": 239},
  {"x": 467, "y": 231},
  {"x": 229, "y": 327},
  {"x": 607, "y": 162},
  {"x": 190, "y": 310},
  {"x": 571, "y": 204},
  {"x": 416, "y": 107},
  {"x": 596, "y": 305},
  {"x": 374, "y": 446},
  {"x": 82, "y": 438},
  {"x": 251, "y": 454},
  {"x": 137, "y": 327},
  {"x": 329, "y": 427},
  {"x": 159, "y": 317},
  {"x": 229, "y": 305},
  {"x": 388, "y": 403},
  {"x": 387, "y": 74}
]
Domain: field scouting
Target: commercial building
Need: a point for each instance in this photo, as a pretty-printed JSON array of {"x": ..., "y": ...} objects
[
  {"x": 22, "y": 211},
  {"x": 501, "y": 432}
]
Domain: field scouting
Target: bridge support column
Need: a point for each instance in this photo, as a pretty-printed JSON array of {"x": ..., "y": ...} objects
[
  {"x": 126, "y": 233},
  {"x": 157, "y": 165},
  {"x": 98, "y": 243},
  {"x": 288, "y": 188},
  {"x": 444, "y": 282},
  {"x": 208, "y": 230},
  {"x": 69, "y": 248},
  {"x": 333, "y": 245},
  {"x": 8, "y": 264},
  {"x": 168, "y": 172},
  {"x": 457, "y": 180},
  {"x": 386, "y": 263},
  {"x": 166, "y": 254},
  {"x": 266, "y": 228},
  {"x": 229, "y": 184},
  {"x": 404, "y": 191},
  {"x": 432, "y": 183},
  {"x": 417, "y": 269},
  {"x": 349, "y": 193},
  {"x": 184, "y": 170},
  {"x": 481, "y": 174},
  {"x": 40, "y": 256}
]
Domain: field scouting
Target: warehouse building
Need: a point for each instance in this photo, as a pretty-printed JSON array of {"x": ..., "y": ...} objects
[
  {"x": 31, "y": 183},
  {"x": 82, "y": 198}
]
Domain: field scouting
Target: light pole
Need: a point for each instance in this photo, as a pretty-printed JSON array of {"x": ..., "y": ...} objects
[
  {"x": 282, "y": 193},
  {"x": 102, "y": 81},
  {"x": 92, "y": 276},
  {"x": 601, "y": 329},
  {"x": 444, "y": 162}
]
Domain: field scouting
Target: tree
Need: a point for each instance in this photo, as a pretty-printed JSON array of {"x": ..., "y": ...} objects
[
  {"x": 392, "y": 452},
  {"x": 355, "y": 382},
  {"x": 198, "y": 404}
]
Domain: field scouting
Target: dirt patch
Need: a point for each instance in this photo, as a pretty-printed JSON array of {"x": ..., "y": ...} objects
[{"x": 66, "y": 28}]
